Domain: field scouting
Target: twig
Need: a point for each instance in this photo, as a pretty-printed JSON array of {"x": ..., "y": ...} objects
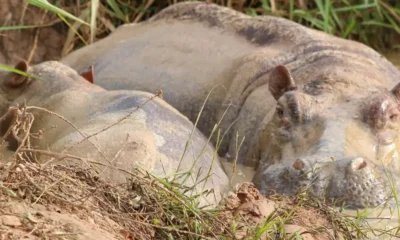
[
  {"x": 76, "y": 128},
  {"x": 140, "y": 15},
  {"x": 30, "y": 180},
  {"x": 35, "y": 41},
  {"x": 63, "y": 156},
  {"x": 118, "y": 153},
  {"x": 387, "y": 7},
  {"x": 161, "y": 227},
  {"x": 46, "y": 189},
  {"x": 29, "y": 233}
]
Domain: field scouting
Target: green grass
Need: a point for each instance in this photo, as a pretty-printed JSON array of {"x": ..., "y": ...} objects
[{"x": 373, "y": 22}]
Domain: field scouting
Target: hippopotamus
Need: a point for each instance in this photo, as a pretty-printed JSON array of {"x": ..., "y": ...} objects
[
  {"x": 284, "y": 92},
  {"x": 121, "y": 130},
  {"x": 349, "y": 182}
]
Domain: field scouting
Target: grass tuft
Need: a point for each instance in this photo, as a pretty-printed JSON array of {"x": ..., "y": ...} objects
[{"x": 373, "y": 22}]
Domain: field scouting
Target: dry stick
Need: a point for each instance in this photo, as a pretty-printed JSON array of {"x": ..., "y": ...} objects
[
  {"x": 44, "y": 191},
  {"x": 117, "y": 154},
  {"x": 79, "y": 131},
  {"x": 229, "y": 4},
  {"x": 140, "y": 15},
  {"x": 25, "y": 7},
  {"x": 303, "y": 4},
  {"x": 387, "y": 7},
  {"x": 81, "y": 199},
  {"x": 27, "y": 131},
  {"x": 51, "y": 154},
  {"x": 62, "y": 234},
  {"x": 30, "y": 180},
  {"x": 161, "y": 227},
  {"x": 9, "y": 129},
  {"x": 18, "y": 122},
  {"x": 273, "y": 6},
  {"x": 63, "y": 156},
  {"x": 68, "y": 43},
  {"x": 35, "y": 41},
  {"x": 30, "y": 233}
]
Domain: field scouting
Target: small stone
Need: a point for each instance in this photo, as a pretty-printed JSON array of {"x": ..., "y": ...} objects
[
  {"x": 11, "y": 221},
  {"x": 91, "y": 221},
  {"x": 291, "y": 228},
  {"x": 266, "y": 207}
]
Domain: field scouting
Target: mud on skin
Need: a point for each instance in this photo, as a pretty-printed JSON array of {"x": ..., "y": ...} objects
[
  {"x": 152, "y": 138},
  {"x": 294, "y": 93}
]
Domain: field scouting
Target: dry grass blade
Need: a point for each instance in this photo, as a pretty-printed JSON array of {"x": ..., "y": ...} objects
[{"x": 93, "y": 17}]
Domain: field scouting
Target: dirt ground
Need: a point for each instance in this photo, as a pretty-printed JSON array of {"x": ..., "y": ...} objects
[{"x": 58, "y": 202}]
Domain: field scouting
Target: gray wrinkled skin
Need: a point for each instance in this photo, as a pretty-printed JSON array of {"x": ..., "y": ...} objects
[
  {"x": 295, "y": 93},
  {"x": 352, "y": 183},
  {"x": 153, "y": 137}
]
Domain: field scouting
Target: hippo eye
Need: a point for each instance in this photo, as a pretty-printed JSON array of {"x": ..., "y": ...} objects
[
  {"x": 394, "y": 117},
  {"x": 279, "y": 111}
]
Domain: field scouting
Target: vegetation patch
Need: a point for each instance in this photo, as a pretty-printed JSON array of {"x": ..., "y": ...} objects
[{"x": 373, "y": 22}]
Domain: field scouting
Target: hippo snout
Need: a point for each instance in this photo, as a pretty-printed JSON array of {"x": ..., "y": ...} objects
[{"x": 356, "y": 182}]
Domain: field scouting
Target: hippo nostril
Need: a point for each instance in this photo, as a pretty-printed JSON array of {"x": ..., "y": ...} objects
[
  {"x": 393, "y": 117},
  {"x": 298, "y": 164}
]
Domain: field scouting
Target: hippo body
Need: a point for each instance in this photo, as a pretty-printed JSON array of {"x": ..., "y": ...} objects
[
  {"x": 292, "y": 92},
  {"x": 153, "y": 137}
]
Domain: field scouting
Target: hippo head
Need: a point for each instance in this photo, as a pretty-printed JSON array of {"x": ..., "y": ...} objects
[
  {"x": 352, "y": 182},
  {"x": 42, "y": 82},
  {"x": 311, "y": 124}
]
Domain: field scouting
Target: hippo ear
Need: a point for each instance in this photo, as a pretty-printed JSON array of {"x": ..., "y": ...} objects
[
  {"x": 396, "y": 91},
  {"x": 358, "y": 164},
  {"x": 281, "y": 81},
  {"x": 15, "y": 80},
  {"x": 88, "y": 75}
]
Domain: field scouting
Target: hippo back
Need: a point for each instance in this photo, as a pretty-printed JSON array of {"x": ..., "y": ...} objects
[
  {"x": 191, "y": 47},
  {"x": 113, "y": 132},
  {"x": 186, "y": 50},
  {"x": 163, "y": 141}
]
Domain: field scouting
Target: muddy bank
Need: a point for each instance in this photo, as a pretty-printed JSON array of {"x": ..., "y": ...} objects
[{"x": 57, "y": 202}]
